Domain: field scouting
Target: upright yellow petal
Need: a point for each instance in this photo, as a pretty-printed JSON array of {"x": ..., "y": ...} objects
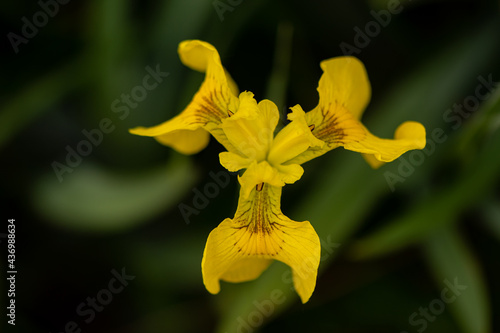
[
  {"x": 409, "y": 135},
  {"x": 207, "y": 108},
  {"x": 240, "y": 249},
  {"x": 250, "y": 129},
  {"x": 293, "y": 139}
]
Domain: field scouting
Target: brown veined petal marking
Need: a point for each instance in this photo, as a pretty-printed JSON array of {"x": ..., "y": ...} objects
[{"x": 332, "y": 124}]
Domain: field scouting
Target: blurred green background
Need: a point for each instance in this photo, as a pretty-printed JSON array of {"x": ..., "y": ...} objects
[{"x": 389, "y": 252}]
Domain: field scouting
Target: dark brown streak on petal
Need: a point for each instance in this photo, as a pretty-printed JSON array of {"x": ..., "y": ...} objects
[
  {"x": 329, "y": 130},
  {"x": 207, "y": 110},
  {"x": 260, "y": 220}
]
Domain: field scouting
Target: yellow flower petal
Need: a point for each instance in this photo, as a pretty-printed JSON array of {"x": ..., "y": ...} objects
[
  {"x": 239, "y": 249},
  {"x": 372, "y": 161},
  {"x": 333, "y": 125},
  {"x": 293, "y": 139},
  {"x": 199, "y": 55},
  {"x": 345, "y": 83},
  {"x": 258, "y": 173},
  {"x": 246, "y": 269},
  {"x": 409, "y": 135},
  {"x": 344, "y": 91},
  {"x": 290, "y": 173},
  {"x": 185, "y": 141},
  {"x": 250, "y": 129},
  {"x": 233, "y": 87},
  {"x": 209, "y": 105},
  {"x": 234, "y": 162}
]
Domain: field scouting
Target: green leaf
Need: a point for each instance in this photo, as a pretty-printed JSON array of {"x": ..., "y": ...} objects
[
  {"x": 278, "y": 80},
  {"x": 176, "y": 20},
  {"x": 451, "y": 260},
  {"x": 491, "y": 213},
  {"x": 96, "y": 200},
  {"x": 110, "y": 46}
]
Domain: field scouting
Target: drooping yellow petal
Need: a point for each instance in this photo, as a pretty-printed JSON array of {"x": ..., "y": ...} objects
[
  {"x": 409, "y": 135},
  {"x": 250, "y": 129},
  {"x": 372, "y": 161},
  {"x": 240, "y": 249},
  {"x": 246, "y": 269},
  {"x": 185, "y": 141},
  {"x": 344, "y": 92},
  {"x": 207, "y": 108}
]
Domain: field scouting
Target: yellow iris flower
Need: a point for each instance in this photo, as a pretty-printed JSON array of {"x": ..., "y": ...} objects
[{"x": 241, "y": 248}]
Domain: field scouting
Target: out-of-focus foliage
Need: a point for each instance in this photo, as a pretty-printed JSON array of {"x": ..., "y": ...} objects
[{"x": 388, "y": 246}]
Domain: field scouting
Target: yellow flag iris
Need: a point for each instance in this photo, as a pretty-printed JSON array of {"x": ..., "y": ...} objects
[{"x": 241, "y": 248}]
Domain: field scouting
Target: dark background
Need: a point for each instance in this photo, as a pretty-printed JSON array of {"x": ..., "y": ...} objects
[{"x": 118, "y": 208}]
